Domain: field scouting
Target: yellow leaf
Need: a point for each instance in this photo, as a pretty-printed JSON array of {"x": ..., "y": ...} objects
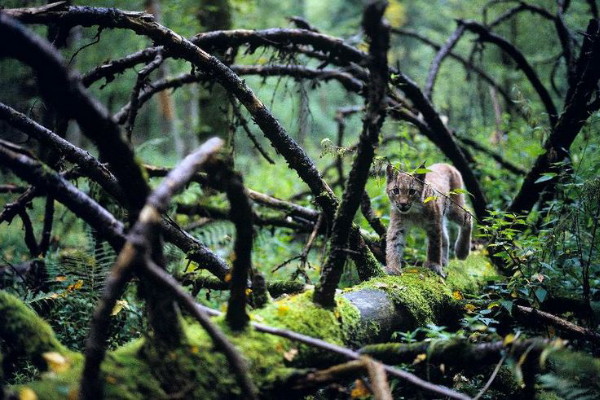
[
  {"x": 282, "y": 310},
  {"x": 457, "y": 295},
  {"x": 56, "y": 361},
  {"x": 470, "y": 307},
  {"x": 290, "y": 354},
  {"x": 493, "y": 304},
  {"x": 111, "y": 379},
  {"x": 360, "y": 390},
  {"x": 60, "y": 278},
  {"x": 248, "y": 291},
  {"x": 430, "y": 198},
  {"x": 120, "y": 304},
  {"x": 227, "y": 277},
  {"x": 75, "y": 286},
  {"x": 420, "y": 358},
  {"x": 508, "y": 339},
  {"x": 194, "y": 349},
  {"x": 27, "y": 394}
]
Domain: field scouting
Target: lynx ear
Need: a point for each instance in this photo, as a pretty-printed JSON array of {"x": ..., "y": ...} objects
[
  {"x": 390, "y": 172},
  {"x": 421, "y": 175}
]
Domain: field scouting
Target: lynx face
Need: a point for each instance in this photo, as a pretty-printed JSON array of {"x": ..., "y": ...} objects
[{"x": 405, "y": 192}]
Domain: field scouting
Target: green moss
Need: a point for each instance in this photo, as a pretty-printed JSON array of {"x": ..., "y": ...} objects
[
  {"x": 299, "y": 314},
  {"x": 24, "y": 333},
  {"x": 470, "y": 275},
  {"x": 419, "y": 291}
]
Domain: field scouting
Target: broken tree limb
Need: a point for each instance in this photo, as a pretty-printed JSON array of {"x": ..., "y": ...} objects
[
  {"x": 143, "y": 244},
  {"x": 378, "y": 33}
]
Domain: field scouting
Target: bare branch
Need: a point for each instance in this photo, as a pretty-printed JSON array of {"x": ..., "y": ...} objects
[
  {"x": 241, "y": 215},
  {"x": 78, "y": 202},
  {"x": 379, "y": 35},
  {"x": 523, "y": 64},
  {"x": 439, "y": 58},
  {"x": 142, "y": 243},
  {"x": 69, "y": 97}
]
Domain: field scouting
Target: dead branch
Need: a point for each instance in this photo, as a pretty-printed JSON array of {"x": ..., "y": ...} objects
[
  {"x": 142, "y": 246},
  {"x": 244, "y": 123},
  {"x": 348, "y": 354},
  {"x": 89, "y": 164},
  {"x": 10, "y": 188},
  {"x": 456, "y": 353},
  {"x": 47, "y": 227},
  {"x": 30, "y": 241},
  {"x": 12, "y": 209},
  {"x": 468, "y": 65},
  {"x": 241, "y": 215},
  {"x": 67, "y": 95},
  {"x": 509, "y": 166},
  {"x": 439, "y": 58},
  {"x": 523, "y": 6},
  {"x": 531, "y": 315},
  {"x": 379, "y": 36},
  {"x": 84, "y": 207},
  {"x": 140, "y": 82},
  {"x": 577, "y": 109},
  {"x": 486, "y": 36}
]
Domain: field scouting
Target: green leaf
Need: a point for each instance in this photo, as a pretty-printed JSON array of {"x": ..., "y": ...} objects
[
  {"x": 545, "y": 177},
  {"x": 430, "y": 198},
  {"x": 541, "y": 293}
]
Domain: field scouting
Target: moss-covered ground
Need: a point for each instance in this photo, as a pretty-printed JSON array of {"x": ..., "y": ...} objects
[{"x": 138, "y": 371}]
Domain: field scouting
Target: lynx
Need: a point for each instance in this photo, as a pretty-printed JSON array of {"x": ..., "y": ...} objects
[{"x": 426, "y": 201}]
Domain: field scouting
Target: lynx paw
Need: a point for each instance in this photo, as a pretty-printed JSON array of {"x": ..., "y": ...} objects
[{"x": 437, "y": 268}]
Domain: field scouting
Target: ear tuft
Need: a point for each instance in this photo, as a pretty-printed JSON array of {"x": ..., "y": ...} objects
[{"x": 390, "y": 172}]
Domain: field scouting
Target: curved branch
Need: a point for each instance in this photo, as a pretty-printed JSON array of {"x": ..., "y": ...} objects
[
  {"x": 517, "y": 56},
  {"x": 439, "y": 57},
  {"x": 68, "y": 96},
  {"x": 468, "y": 65},
  {"x": 89, "y": 165}
]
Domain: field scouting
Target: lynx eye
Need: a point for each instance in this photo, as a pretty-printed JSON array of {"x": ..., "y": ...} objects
[
  {"x": 395, "y": 190},
  {"x": 411, "y": 192}
]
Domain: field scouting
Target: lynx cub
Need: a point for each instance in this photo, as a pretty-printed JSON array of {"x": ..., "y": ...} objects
[{"x": 408, "y": 208}]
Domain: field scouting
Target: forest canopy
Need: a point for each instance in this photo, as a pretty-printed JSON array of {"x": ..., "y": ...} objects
[{"x": 203, "y": 199}]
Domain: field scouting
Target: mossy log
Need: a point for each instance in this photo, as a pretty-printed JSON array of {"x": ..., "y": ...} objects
[{"x": 364, "y": 314}]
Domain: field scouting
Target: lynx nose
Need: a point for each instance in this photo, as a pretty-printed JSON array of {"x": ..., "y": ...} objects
[{"x": 403, "y": 207}]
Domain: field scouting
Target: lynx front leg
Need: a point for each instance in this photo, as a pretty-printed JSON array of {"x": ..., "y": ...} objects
[
  {"x": 445, "y": 243},
  {"x": 434, "y": 247},
  {"x": 396, "y": 241}
]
